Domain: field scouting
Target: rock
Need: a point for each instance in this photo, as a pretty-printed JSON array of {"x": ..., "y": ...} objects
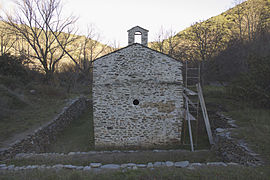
[
  {"x": 181, "y": 164},
  {"x": 195, "y": 164},
  {"x": 158, "y": 150},
  {"x": 190, "y": 167},
  {"x": 95, "y": 165},
  {"x": 34, "y": 166},
  {"x": 134, "y": 168},
  {"x": 220, "y": 130},
  {"x": 150, "y": 165},
  {"x": 216, "y": 164},
  {"x": 141, "y": 165},
  {"x": 69, "y": 166},
  {"x": 10, "y": 167},
  {"x": 32, "y": 91},
  {"x": 4, "y": 168},
  {"x": 42, "y": 167},
  {"x": 20, "y": 155},
  {"x": 110, "y": 166},
  {"x": 28, "y": 167},
  {"x": 157, "y": 164},
  {"x": 233, "y": 164},
  {"x": 123, "y": 165},
  {"x": 132, "y": 151},
  {"x": 169, "y": 163},
  {"x": 58, "y": 166},
  {"x": 87, "y": 168},
  {"x": 131, "y": 164},
  {"x": 79, "y": 167},
  {"x": 71, "y": 153}
]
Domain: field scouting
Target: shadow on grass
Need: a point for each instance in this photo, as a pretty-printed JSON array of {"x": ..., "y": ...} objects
[{"x": 78, "y": 137}]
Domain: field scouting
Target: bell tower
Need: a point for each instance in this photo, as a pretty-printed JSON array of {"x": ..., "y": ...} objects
[{"x": 137, "y": 30}]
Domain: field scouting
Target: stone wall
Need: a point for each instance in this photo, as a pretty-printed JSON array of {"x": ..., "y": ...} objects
[
  {"x": 38, "y": 141},
  {"x": 155, "y": 81},
  {"x": 230, "y": 149}
]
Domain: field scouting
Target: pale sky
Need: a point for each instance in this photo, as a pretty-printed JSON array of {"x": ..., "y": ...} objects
[{"x": 113, "y": 18}]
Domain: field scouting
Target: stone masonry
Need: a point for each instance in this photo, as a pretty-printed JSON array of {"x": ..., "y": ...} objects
[
  {"x": 46, "y": 134},
  {"x": 137, "y": 98},
  {"x": 137, "y": 29}
]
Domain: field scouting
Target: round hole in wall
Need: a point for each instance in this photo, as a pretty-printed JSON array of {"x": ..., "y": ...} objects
[{"x": 136, "y": 102}]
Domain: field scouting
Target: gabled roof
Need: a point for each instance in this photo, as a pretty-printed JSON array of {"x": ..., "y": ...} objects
[
  {"x": 137, "y": 27},
  {"x": 134, "y": 45}
]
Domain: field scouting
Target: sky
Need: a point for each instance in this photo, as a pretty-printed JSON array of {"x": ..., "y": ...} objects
[{"x": 112, "y": 18}]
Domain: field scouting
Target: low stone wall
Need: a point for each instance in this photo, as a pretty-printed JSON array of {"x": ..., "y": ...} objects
[
  {"x": 96, "y": 167},
  {"x": 231, "y": 149},
  {"x": 37, "y": 142}
]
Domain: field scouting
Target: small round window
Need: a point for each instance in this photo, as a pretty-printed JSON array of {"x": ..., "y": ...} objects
[{"x": 136, "y": 102}]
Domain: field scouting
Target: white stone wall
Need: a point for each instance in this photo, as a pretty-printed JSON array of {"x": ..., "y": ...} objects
[{"x": 137, "y": 72}]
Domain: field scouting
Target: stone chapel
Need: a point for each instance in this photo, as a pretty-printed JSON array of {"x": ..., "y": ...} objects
[{"x": 137, "y": 96}]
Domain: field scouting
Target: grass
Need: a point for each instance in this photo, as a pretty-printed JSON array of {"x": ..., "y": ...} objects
[
  {"x": 254, "y": 128},
  {"x": 79, "y": 137},
  {"x": 25, "y": 111},
  {"x": 213, "y": 173},
  {"x": 253, "y": 122}
]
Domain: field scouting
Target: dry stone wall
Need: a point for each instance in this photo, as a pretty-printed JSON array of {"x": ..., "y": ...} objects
[
  {"x": 137, "y": 74},
  {"x": 38, "y": 141}
]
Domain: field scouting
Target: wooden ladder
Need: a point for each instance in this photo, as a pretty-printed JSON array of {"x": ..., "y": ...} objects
[{"x": 193, "y": 81}]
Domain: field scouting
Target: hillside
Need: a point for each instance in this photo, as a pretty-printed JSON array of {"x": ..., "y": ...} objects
[
  {"x": 244, "y": 22},
  {"x": 82, "y": 47}
]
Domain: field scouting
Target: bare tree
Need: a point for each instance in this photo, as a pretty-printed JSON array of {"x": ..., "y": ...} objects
[
  {"x": 166, "y": 41},
  {"x": 173, "y": 40},
  {"x": 252, "y": 17},
  {"x": 90, "y": 48},
  {"x": 159, "y": 41},
  {"x": 238, "y": 16},
  {"x": 247, "y": 16},
  {"x": 7, "y": 40},
  {"x": 205, "y": 39},
  {"x": 39, "y": 23}
]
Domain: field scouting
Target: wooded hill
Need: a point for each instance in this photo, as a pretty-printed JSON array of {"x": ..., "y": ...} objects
[
  {"x": 83, "y": 49},
  {"x": 202, "y": 40},
  {"x": 232, "y": 48}
]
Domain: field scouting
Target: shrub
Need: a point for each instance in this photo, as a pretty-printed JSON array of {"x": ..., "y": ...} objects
[
  {"x": 254, "y": 85},
  {"x": 12, "y": 66}
]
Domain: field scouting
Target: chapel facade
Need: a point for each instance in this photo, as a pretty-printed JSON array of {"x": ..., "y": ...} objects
[{"x": 137, "y": 96}]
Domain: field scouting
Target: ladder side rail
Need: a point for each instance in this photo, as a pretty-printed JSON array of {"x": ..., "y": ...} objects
[
  {"x": 205, "y": 115},
  {"x": 189, "y": 127}
]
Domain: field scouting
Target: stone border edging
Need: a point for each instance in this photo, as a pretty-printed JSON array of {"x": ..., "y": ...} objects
[
  {"x": 27, "y": 155},
  {"x": 126, "y": 166},
  {"x": 38, "y": 141}
]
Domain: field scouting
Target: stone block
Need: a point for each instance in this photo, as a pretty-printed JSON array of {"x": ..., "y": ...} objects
[{"x": 181, "y": 164}]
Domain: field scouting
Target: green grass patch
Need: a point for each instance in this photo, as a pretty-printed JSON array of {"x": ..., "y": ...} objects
[
  {"x": 23, "y": 112},
  {"x": 213, "y": 173},
  {"x": 79, "y": 136},
  {"x": 253, "y": 122}
]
